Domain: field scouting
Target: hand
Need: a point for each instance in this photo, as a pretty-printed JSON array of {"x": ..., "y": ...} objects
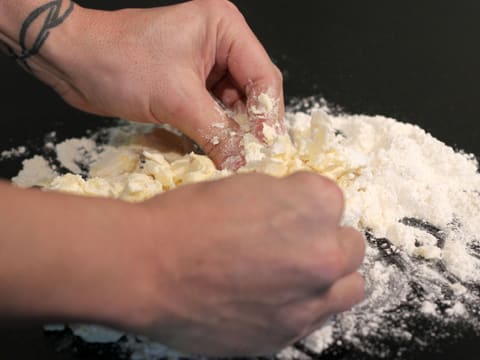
[
  {"x": 246, "y": 279},
  {"x": 187, "y": 268},
  {"x": 161, "y": 65}
]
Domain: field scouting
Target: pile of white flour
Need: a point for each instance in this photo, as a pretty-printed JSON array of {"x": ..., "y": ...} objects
[{"x": 416, "y": 199}]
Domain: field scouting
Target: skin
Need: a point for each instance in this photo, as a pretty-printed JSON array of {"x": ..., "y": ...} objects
[
  {"x": 184, "y": 269},
  {"x": 160, "y": 74}
]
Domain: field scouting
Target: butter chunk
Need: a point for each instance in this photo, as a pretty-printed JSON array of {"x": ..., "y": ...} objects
[
  {"x": 99, "y": 187},
  {"x": 157, "y": 166},
  {"x": 115, "y": 162},
  {"x": 201, "y": 168},
  {"x": 69, "y": 183},
  {"x": 140, "y": 187},
  {"x": 193, "y": 168}
]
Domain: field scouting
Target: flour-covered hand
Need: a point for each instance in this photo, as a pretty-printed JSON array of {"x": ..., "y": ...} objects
[{"x": 161, "y": 65}]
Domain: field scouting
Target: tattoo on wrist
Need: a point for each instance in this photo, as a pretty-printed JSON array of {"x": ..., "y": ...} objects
[{"x": 53, "y": 17}]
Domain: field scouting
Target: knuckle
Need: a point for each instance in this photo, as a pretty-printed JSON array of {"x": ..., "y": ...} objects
[
  {"x": 330, "y": 198},
  {"x": 305, "y": 179},
  {"x": 333, "y": 263},
  {"x": 333, "y": 195},
  {"x": 231, "y": 7},
  {"x": 325, "y": 265},
  {"x": 278, "y": 74},
  {"x": 325, "y": 194},
  {"x": 223, "y": 6},
  {"x": 275, "y": 77},
  {"x": 355, "y": 241},
  {"x": 258, "y": 180}
]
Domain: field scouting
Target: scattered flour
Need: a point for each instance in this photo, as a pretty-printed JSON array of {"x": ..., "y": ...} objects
[
  {"x": 429, "y": 307},
  {"x": 13, "y": 153},
  {"x": 74, "y": 154},
  {"x": 36, "y": 172},
  {"x": 416, "y": 199}
]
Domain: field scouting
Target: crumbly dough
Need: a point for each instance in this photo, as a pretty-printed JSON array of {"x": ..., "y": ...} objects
[
  {"x": 417, "y": 198},
  {"x": 138, "y": 172},
  {"x": 391, "y": 173}
]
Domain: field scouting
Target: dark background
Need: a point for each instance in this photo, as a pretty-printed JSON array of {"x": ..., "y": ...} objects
[{"x": 417, "y": 61}]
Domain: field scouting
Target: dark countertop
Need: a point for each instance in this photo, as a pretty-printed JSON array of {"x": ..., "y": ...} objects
[{"x": 414, "y": 61}]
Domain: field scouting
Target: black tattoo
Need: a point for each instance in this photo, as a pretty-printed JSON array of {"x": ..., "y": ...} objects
[{"x": 53, "y": 19}]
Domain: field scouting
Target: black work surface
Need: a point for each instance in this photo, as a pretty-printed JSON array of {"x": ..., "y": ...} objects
[{"x": 417, "y": 61}]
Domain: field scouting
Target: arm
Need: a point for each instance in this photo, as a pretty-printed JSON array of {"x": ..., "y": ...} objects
[
  {"x": 192, "y": 277},
  {"x": 152, "y": 65},
  {"x": 37, "y": 18},
  {"x": 59, "y": 254},
  {"x": 185, "y": 262}
]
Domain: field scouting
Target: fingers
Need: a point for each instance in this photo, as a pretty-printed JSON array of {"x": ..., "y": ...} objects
[
  {"x": 324, "y": 196},
  {"x": 249, "y": 65},
  {"x": 348, "y": 289},
  {"x": 304, "y": 317},
  {"x": 344, "y": 294},
  {"x": 229, "y": 94},
  {"x": 200, "y": 117},
  {"x": 334, "y": 251},
  {"x": 265, "y": 107},
  {"x": 338, "y": 257},
  {"x": 352, "y": 244},
  {"x": 242, "y": 75}
]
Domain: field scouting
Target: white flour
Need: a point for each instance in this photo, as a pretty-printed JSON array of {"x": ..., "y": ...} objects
[
  {"x": 417, "y": 200},
  {"x": 75, "y": 154},
  {"x": 14, "y": 152},
  {"x": 36, "y": 172}
]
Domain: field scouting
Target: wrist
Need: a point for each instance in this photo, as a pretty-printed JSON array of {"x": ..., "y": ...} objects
[
  {"x": 66, "y": 258},
  {"x": 110, "y": 282},
  {"x": 84, "y": 63},
  {"x": 29, "y": 28},
  {"x": 143, "y": 301},
  {"x": 73, "y": 40},
  {"x": 120, "y": 274}
]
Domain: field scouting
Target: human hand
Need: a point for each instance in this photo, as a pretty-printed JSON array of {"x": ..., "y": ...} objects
[
  {"x": 247, "y": 279},
  {"x": 162, "y": 65}
]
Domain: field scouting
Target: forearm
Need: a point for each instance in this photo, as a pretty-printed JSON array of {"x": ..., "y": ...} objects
[
  {"x": 64, "y": 257},
  {"x": 70, "y": 48}
]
